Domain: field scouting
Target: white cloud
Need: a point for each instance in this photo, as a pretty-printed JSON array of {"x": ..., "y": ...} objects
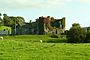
[
  {"x": 31, "y": 3},
  {"x": 18, "y": 4},
  {"x": 85, "y": 1}
]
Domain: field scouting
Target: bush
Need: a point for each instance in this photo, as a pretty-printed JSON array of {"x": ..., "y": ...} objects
[
  {"x": 87, "y": 40},
  {"x": 54, "y": 36},
  {"x": 76, "y": 34},
  {"x": 57, "y": 40}
]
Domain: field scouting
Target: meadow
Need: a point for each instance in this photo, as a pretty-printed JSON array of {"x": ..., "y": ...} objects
[{"x": 28, "y": 47}]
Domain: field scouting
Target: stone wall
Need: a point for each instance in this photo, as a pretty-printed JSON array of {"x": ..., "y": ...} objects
[{"x": 46, "y": 25}]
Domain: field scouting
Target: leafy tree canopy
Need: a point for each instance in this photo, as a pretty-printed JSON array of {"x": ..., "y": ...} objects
[{"x": 76, "y": 34}]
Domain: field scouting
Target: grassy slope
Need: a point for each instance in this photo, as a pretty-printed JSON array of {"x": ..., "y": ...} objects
[
  {"x": 4, "y": 27},
  {"x": 20, "y": 48}
]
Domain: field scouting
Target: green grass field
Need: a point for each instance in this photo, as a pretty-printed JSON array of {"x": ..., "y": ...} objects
[{"x": 28, "y": 47}]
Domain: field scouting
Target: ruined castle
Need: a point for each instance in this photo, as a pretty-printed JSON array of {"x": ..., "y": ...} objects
[
  {"x": 43, "y": 25},
  {"x": 49, "y": 25}
]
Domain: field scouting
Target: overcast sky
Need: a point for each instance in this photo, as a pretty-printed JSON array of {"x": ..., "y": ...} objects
[{"x": 75, "y": 11}]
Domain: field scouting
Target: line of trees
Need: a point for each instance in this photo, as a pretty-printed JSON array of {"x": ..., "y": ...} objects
[{"x": 11, "y": 20}]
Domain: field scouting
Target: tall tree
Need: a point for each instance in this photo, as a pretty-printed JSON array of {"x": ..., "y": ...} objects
[
  {"x": 0, "y": 19},
  {"x": 7, "y": 20},
  {"x": 88, "y": 35},
  {"x": 0, "y": 14},
  {"x": 20, "y": 21},
  {"x": 76, "y": 34}
]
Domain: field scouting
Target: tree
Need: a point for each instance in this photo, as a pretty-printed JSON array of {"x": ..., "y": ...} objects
[
  {"x": 20, "y": 21},
  {"x": 7, "y": 20},
  {"x": 0, "y": 14},
  {"x": 0, "y": 19},
  {"x": 88, "y": 35},
  {"x": 76, "y": 34}
]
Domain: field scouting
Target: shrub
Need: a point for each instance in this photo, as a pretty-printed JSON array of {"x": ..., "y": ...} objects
[
  {"x": 54, "y": 36},
  {"x": 87, "y": 40},
  {"x": 57, "y": 40},
  {"x": 76, "y": 34}
]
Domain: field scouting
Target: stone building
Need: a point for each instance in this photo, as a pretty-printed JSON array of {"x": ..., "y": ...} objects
[
  {"x": 24, "y": 30},
  {"x": 49, "y": 25}
]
